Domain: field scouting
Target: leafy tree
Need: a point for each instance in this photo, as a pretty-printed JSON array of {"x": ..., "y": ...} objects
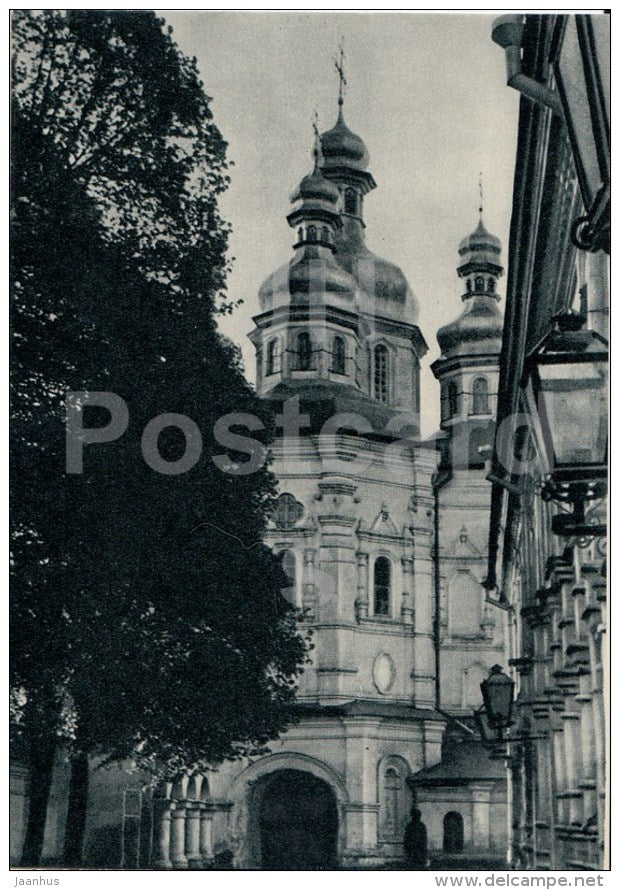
[{"x": 146, "y": 615}]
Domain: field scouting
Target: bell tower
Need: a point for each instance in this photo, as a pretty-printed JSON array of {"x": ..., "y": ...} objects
[{"x": 468, "y": 367}]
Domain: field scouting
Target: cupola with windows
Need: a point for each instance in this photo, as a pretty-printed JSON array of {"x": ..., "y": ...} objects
[
  {"x": 338, "y": 324},
  {"x": 467, "y": 368},
  {"x": 478, "y": 329}
]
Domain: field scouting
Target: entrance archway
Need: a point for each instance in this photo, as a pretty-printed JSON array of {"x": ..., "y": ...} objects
[{"x": 298, "y": 819}]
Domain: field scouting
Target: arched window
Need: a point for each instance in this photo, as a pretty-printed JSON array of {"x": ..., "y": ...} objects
[
  {"x": 452, "y": 399},
  {"x": 381, "y": 373},
  {"x": 469, "y": 285},
  {"x": 338, "y": 356},
  {"x": 304, "y": 351},
  {"x": 300, "y": 234},
  {"x": 391, "y": 789},
  {"x": 273, "y": 357},
  {"x": 325, "y": 234},
  {"x": 453, "y": 833},
  {"x": 479, "y": 283},
  {"x": 289, "y": 567},
  {"x": 382, "y": 583},
  {"x": 491, "y": 285},
  {"x": 480, "y": 396},
  {"x": 311, "y": 233},
  {"x": 350, "y": 201}
]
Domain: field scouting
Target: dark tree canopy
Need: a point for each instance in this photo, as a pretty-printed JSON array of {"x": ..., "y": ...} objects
[{"x": 147, "y": 618}]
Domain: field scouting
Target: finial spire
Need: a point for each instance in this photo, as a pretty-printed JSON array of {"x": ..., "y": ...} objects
[
  {"x": 317, "y": 139},
  {"x": 481, "y": 195},
  {"x": 339, "y": 65}
]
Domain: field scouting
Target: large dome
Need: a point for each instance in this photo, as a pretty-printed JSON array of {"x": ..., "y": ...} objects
[
  {"x": 341, "y": 147},
  {"x": 378, "y": 278},
  {"x": 309, "y": 273}
]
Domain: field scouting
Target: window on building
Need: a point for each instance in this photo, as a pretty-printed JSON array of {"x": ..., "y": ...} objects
[
  {"x": 350, "y": 201},
  {"x": 289, "y": 567},
  {"x": 287, "y": 511},
  {"x": 300, "y": 234},
  {"x": 381, "y": 373},
  {"x": 453, "y": 399},
  {"x": 311, "y": 233},
  {"x": 480, "y": 396},
  {"x": 391, "y": 792},
  {"x": 273, "y": 357},
  {"x": 480, "y": 439},
  {"x": 304, "y": 351},
  {"x": 491, "y": 285},
  {"x": 338, "y": 356},
  {"x": 453, "y": 833},
  {"x": 325, "y": 234},
  {"x": 382, "y": 583},
  {"x": 469, "y": 285},
  {"x": 479, "y": 283}
]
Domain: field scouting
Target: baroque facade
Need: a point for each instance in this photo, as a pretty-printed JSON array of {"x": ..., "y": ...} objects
[
  {"x": 382, "y": 537},
  {"x": 383, "y": 542},
  {"x": 552, "y": 586}
]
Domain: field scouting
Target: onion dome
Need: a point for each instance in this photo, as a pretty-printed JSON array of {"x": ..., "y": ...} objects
[
  {"x": 480, "y": 252},
  {"x": 480, "y": 240},
  {"x": 477, "y": 330},
  {"x": 343, "y": 148},
  {"x": 314, "y": 187}
]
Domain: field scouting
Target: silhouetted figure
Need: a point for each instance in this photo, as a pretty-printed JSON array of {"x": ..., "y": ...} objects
[{"x": 415, "y": 842}]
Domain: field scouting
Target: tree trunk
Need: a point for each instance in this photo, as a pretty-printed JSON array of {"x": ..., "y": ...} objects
[
  {"x": 76, "y": 811},
  {"x": 41, "y": 753}
]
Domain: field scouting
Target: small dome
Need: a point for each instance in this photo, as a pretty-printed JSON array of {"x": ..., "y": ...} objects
[
  {"x": 341, "y": 147},
  {"x": 480, "y": 241},
  {"x": 478, "y": 329},
  {"x": 314, "y": 187}
]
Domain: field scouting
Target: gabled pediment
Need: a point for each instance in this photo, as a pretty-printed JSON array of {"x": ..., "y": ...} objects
[{"x": 463, "y": 548}]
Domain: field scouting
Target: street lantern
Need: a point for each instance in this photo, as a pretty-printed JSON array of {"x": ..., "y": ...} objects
[
  {"x": 497, "y": 695},
  {"x": 580, "y": 55},
  {"x": 569, "y": 372}
]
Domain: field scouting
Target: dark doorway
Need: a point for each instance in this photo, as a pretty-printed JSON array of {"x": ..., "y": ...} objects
[
  {"x": 453, "y": 833},
  {"x": 298, "y": 822}
]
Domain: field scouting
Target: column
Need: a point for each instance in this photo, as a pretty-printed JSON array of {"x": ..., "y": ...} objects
[
  {"x": 572, "y": 764},
  {"x": 177, "y": 835},
  {"x": 206, "y": 833},
  {"x": 308, "y": 591},
  {"x": 406, "y": 609},
  {"x": 192, "y": 834},
  {"x": 162, "y": 816},
  {"x": 361, "y": 602}
]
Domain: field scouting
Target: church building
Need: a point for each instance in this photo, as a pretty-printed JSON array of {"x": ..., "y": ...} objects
[{"x": 382, "y": 537}]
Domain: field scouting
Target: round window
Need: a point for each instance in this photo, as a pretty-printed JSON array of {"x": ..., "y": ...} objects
[{"x": 383, "y": 673}]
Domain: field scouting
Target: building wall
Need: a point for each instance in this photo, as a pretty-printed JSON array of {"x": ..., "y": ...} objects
[{"x": 552, "y": 588}]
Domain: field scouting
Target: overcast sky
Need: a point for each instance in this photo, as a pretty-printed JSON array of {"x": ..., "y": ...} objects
[{"x": 426, "y": 92}]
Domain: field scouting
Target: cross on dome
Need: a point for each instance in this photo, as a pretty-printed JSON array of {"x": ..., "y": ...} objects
[{"x": 339, "y": 65}]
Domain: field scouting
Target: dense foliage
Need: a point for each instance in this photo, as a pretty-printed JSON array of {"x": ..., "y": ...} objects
[{"x": 146, "y": 615}]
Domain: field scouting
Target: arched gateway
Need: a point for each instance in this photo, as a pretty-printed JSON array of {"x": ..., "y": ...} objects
[{"x": 298, "y": 821}]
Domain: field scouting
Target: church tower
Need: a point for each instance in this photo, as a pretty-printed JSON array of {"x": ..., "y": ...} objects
[
  {"x": 338, "y": 324},
  {"x": 468, "y": 371},
  {"x": 338, "y": 354}
]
